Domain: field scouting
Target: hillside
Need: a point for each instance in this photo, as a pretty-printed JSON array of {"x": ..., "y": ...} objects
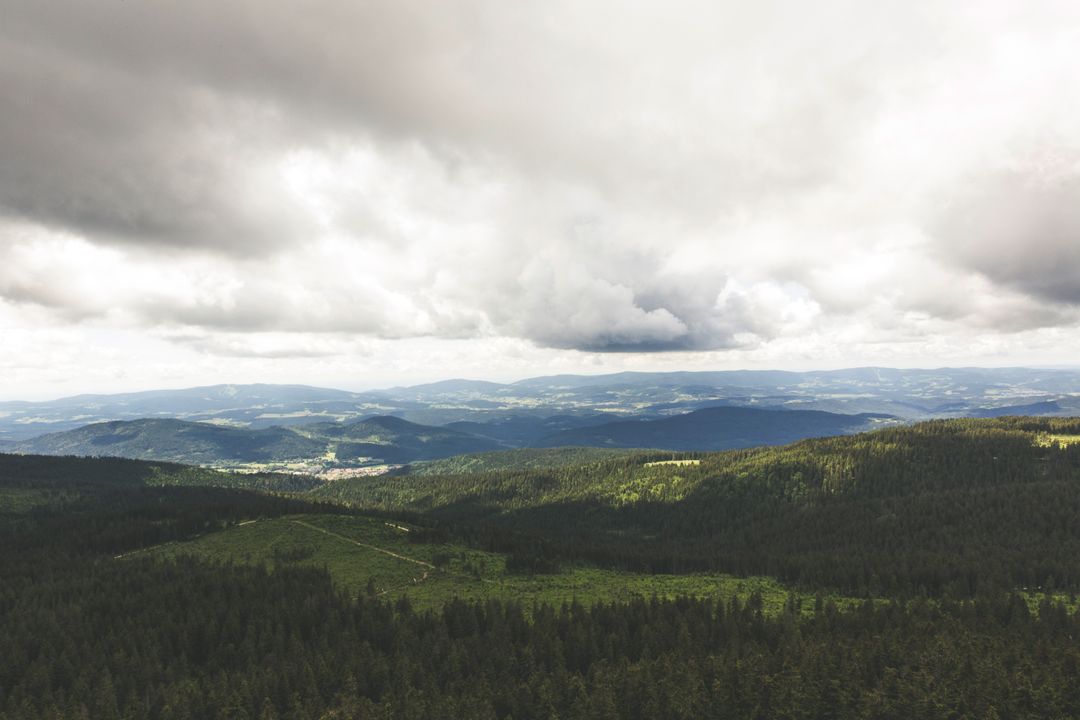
[
  {"x": 955, "y": 507},
  {"x": 529, "y": 430},
  {"x": 717, "y": 428},
  {"x": 380, "y": 439},
  {"x": 164, "y": 592},
  {"x": 202, "y": 599},
  {"x": 177, "y": 441},
  {"x": 388, "y": 439},
  {"x": 394, "y": 440},
  {"x": 520, "y": 459},
  {"x": 254, "y": 406}
]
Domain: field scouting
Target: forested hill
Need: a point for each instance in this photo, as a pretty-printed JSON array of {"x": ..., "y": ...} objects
[
  {"x": 175, "y": 441},
  {"x": 108, "y": 611},
  {"x": 953, "y": 506},
  {"x": 717, "y": 428},
  {"x": 386, "y": 439},
  {"x": 393, "y": 440},
  {"x": 519, "y": 459}
]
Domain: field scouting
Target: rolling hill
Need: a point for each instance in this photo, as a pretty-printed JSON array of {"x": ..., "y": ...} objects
[
  {"x": 379, "y": 439},
  {"x": 394, "y": 440},
  {"x": 516, "y": 413},
  {"x": 176, "y": 441},
  {"x": 717, "y": 428},
  {"x": 255, "y": 406},
  {"x": 355, "y": 615},
  {"x": 517, "y": 459},
  {"x": 953, "y": 507}
]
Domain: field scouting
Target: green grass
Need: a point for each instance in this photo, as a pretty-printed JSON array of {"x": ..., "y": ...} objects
[
  {"x": 1049, "y": 440},
  {"x": 282, "y": 541},
  {"x": 329, "y": 541},
  {"x": 589, "y": 586},
  {"x": 672, "y": 462},
  {"x": 1035, "y": 598}
]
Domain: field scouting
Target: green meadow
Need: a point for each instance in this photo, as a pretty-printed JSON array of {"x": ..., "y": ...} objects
[{"x": 369, "y": 556}]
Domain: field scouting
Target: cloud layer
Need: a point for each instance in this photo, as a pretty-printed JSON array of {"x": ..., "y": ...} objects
[{"x": 713, "y": 178}]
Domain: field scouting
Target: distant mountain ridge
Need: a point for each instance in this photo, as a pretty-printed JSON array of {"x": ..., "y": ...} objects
[
  {"x": 255, "y": 406},
  {"x": 521, "y": 413},
  {"x": 718, "y": 428},
  {"x": 395, "y": 440},
  {"x": 172, "y": 440},
  {"x": 385, "y": 439}
]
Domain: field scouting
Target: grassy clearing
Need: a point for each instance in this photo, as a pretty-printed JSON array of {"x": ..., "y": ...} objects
[
  {"x": 672, "y": 462},
  {"x": 331, "y": 541},
  {"x": 1035, "y": 598},
  {"x": 1050, "y": 440},
  {"x": 282, "y": 541}
]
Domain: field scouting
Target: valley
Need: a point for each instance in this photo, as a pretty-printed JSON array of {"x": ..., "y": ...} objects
[
  {"x": 949, "y": 543},
  {"x": 521, "y": 413},
  {"x": 332, "y": 434}
]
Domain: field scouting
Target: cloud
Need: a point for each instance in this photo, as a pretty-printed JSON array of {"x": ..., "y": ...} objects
[
  {"x": 275, "y": 345},
  {"x": 164, "y": 123},
  {"x": 1019, "y": 228},
  {"x": 694, "y": 178},
  {"x": 127, "y": 159}
]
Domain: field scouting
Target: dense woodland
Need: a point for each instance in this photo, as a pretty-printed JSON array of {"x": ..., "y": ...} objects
[
  {"x": 186, "y": 640},
  {"x": 953, "y": 508},
  {"x": 950, "y": 520}
]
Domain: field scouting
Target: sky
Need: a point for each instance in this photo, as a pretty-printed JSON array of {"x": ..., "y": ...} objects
[{"x": 363, "y": 194}]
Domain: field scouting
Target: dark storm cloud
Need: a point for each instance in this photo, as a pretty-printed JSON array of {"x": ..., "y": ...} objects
[
  {"x": 147, "y": 122},
  {"x": 1020, "y": 228},
  {"x": 629, "y": 306},
  {"x": 129, "y": 158},
  {"x": 156, "y": 123}
]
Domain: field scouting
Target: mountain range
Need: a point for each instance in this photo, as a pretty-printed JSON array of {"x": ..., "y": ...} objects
[
  {"x": 674, "y": 410},
  {"x": 379, "y": 439},
  {"x": 391, "y": 440},
  {"x": 529, "y": 408},
  {"x": 718, "y": 428}
]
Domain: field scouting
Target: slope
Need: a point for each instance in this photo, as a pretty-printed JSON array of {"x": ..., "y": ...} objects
[
  {"x": 945, "y": 507},
  {"x": 380, "y": 439},
  {"x": 177, "y": 441},
  {"x": 394, "y": 440},
  {"x": 717, "y": 428}
]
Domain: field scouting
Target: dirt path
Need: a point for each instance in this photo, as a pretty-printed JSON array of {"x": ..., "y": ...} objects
[
  {"x": 365, "y": 545},
  {"x": 406, "y": 586},
  {"x": 129, "y": 553}
]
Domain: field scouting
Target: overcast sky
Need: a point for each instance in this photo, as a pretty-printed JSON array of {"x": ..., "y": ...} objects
[{"x": 358, "y": 194}]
